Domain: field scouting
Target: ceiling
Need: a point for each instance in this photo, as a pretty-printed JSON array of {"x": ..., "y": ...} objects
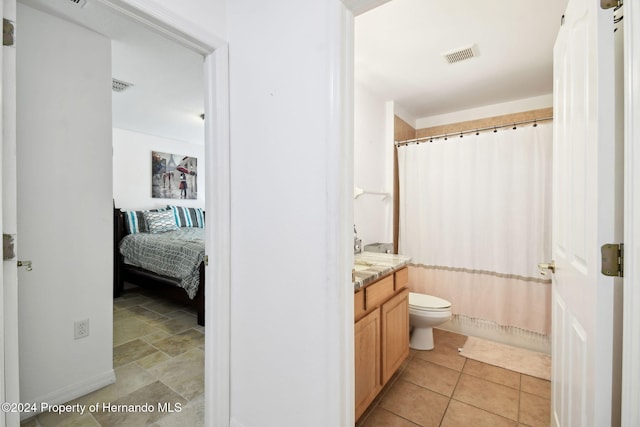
[
  {"x": 398, "y": 56},
  {"x": 167, "y": 96},
  {"x": 399, "y": 47}
]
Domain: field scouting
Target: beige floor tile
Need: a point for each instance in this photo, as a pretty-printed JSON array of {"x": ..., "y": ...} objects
[
  {"x": 152, "y": 360},
  {"x": 184, "y": 373},
  {"x": 460, "y": 414},
  {"x": 129, "y": 329},
  {"x": 192, "y": 414},
  {"x": 130, "y": 300},
  {"x": 536, "y": 386},
  {"x": 180, "y": 343},
  {"x": 183, "y": 312},
  {"x": 54, "y": 419},
  {"x": 155, "y": 336},
  {"x": 491, "y": 397},
  {"x": 29, "y": 422},
  {"x": 161, "y": 306},
  {"x": 444, "y": 355},
  {"x": 131, "y": 351},
  {"x": 144, "y": 313},
  {"x": 383, "y": 418},
  {"x": 414, "y": 403},
  {"x": 431, "y": 376},
  {"x": 492, "y": 373},
  {"x": 86, "y": 420},
  {"x": 451, "y": 338},
  {"x": 174, "y": 326},
  {"x": 153, "y": 395},
  {"x": 122, "y": 313},
  {"x": 129, "y": 378},
  {"x": 534, "y": 410}
]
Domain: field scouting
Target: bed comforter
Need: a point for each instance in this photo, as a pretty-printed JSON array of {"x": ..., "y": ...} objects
[{"x": 175, "y": 254}]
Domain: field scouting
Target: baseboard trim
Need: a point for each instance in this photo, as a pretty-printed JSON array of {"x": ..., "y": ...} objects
[{"x": 72, "y": 391}]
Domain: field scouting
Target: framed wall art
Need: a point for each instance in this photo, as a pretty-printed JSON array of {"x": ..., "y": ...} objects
[{"x": 173, "y": 176}]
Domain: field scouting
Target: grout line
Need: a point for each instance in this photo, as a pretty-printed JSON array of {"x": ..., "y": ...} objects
[{"x": 453, "y": 392}]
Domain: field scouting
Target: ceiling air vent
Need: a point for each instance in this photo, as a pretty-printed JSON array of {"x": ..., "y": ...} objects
[
  {"x": 79, "y": 3},
  {"x": 459, "y": 54},
  {"x": 119, "y": 85}
]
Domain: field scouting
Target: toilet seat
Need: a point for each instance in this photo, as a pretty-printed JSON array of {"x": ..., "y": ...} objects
[{"x": 423, "y": 302}]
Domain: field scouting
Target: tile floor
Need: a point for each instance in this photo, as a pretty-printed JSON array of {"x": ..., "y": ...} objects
[
  {"x": 442, "y": 388},
  {"x": 158, "y": 356}
]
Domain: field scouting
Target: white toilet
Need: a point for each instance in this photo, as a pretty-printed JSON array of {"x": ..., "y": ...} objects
[{"x": 425, "y": 312}]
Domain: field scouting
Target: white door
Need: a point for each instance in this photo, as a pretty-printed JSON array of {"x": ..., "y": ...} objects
[
  {"x": 9, "y": 388},
  {"x": 584, "y": 207}
]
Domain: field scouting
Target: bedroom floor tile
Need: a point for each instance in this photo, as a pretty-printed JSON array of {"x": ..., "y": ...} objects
[
  {"x": 184, "y": 373},
  {"x": 129, "y": 329},
  {"x": 131, "y": 351},
  {"x": 161, "y": 306},
  {"x": 174, "y": 326},
  {"x": 181, "y": 342}
]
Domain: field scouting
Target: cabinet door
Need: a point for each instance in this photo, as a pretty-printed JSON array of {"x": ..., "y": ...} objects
[
  {"x": 367, "y": 360},
  {"x": 395, "y": 333}
]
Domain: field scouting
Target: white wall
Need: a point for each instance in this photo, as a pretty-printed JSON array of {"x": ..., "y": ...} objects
[
  {"x": 287, "y": 308},
  {"x": 526, "y": 104},
  {"x": 132, "y": 169},
  {"x": 373, "y": 166},
  {"x": 64, "y": 207},
  {"x": 207, "y": 14}
]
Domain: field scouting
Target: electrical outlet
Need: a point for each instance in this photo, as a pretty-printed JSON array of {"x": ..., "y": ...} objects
[{"x": 81, "y": 328}]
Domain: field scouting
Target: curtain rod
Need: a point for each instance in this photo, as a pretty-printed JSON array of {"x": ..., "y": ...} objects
[{"x": 476, "y": 131}]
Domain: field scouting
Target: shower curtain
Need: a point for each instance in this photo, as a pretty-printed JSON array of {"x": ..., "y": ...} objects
[{"x": 475, "y": 217}]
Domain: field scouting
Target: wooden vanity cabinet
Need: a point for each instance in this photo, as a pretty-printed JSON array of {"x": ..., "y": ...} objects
[
  {"x": 394, "y": 317},
  {"x": 368, "y": 382},
  {"x": 381, "y": 335}
]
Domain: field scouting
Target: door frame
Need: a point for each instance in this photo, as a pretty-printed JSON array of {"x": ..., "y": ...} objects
[
  {"x": 631, "y": 316},
  {"x": 217, "y": 193},
  {"x": 216, "y": 95}
]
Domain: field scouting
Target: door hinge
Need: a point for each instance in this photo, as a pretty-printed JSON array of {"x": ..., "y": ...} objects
[
  {"x": 613, "y": 259},
  {"x": 206, "y": 260},
  {"x": 8, "y": 246},
  {"x": 8, "y": 32},
  {"x": 608, "y": 4}
]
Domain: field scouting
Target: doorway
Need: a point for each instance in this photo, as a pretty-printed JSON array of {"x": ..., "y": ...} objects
[{"x": 203, "y": 43}]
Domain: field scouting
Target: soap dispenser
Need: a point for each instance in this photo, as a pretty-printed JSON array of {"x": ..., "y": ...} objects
[{"x": 357, "y": 243}]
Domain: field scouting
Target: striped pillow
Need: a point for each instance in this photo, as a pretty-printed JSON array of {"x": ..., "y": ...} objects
[
  {"x": 160, "y": 222},
  {"x": 188, "y": 217},
  {"x": 134, "y": 220}
]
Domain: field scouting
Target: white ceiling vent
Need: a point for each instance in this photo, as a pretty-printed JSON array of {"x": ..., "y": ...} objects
[
  {"x": 79, "y": 3},
  {"x": 119, "y": 85},
  {"x": 460, "y": 54}
]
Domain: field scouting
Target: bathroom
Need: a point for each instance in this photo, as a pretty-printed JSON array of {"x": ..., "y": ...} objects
[
  {"x": 483, "y": 303},
  {"x": 379, "y": 122}
]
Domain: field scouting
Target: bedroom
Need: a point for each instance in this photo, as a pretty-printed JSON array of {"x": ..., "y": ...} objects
[{"x": 126, "y": 145}]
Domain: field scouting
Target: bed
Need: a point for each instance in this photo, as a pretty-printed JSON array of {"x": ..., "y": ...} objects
[{"x": 179, "y": 275}]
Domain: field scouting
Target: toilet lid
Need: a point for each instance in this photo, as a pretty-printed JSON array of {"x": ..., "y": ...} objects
[{"x": 425, "y": 302}]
